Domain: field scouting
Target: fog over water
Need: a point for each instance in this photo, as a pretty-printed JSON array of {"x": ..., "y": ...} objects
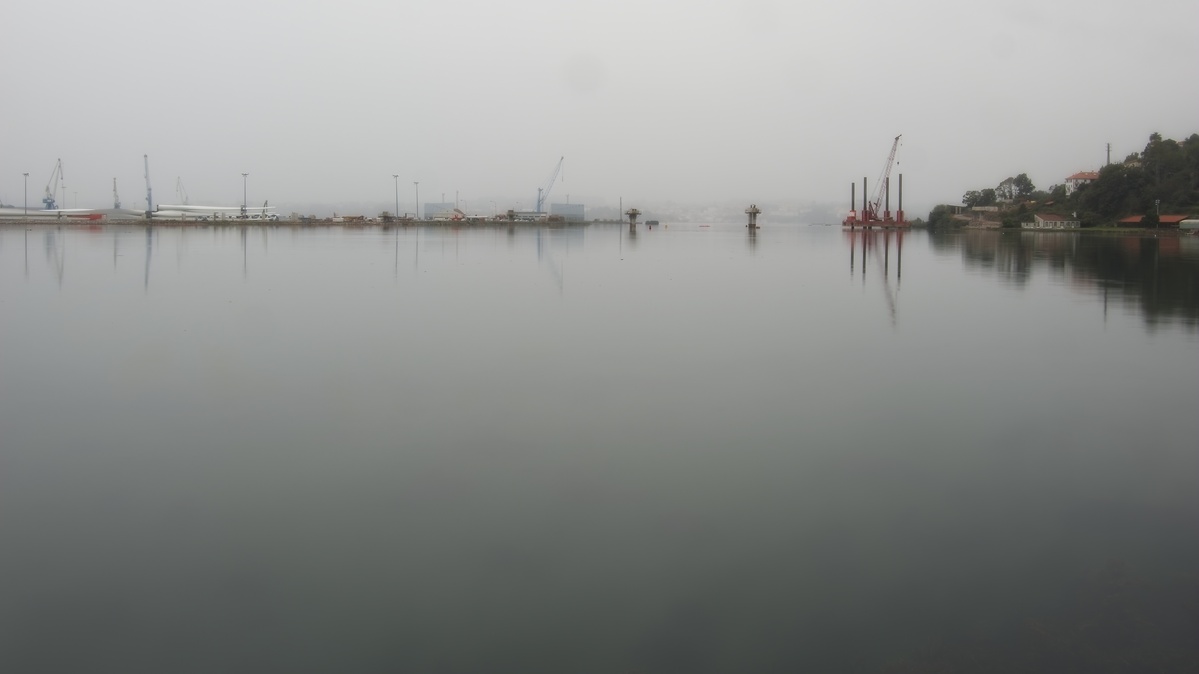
[
  {"x": 685, "y": 448},
  {"x": 653, "y": 101}
]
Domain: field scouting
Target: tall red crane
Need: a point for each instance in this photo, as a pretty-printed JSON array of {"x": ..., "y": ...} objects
[
  {"x": 872, "y": 209},
  {"x": 874, "y": 212}
]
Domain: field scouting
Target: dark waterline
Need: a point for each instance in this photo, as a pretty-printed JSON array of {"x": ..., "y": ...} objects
[{"x": 583, "y": 449}]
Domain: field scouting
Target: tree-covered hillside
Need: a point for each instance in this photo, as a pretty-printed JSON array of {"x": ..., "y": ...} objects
[{"x": 1163, "y": 178}]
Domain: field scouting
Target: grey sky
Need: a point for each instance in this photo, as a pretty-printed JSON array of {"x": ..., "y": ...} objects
[{"x": 651, "y": 100}]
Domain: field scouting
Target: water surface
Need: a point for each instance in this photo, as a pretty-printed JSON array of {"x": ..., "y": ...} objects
[{"x": 687, "y": 448}]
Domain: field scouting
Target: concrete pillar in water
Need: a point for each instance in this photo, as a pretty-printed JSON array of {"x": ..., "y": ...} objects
[
  {"x": 887, "y": 208},
  {"x": 753, "y": 212},
  {"x": 853, "y": 206},
  {"x": 865, "y": 204},
  {"x": 632, "y": 213}
]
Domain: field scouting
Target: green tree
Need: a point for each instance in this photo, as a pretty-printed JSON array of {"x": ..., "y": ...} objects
[
  {"x": 1024, "y": 186},
  {"x": 1006, "y": 190},
  {"x": 1190, "y": 169},
  {"x": 1118, "y": 190},
  {"x": 941, "y": 216},
  {"x": 1162, "y": 159}
]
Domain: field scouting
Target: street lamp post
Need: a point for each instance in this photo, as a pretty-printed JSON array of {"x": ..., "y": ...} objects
[
  {"x": 243, "y": 194},
  {"x": 396, "y": 213},
  {"x": 26, "y": 194},
  {"x": 416, "y": 186}
]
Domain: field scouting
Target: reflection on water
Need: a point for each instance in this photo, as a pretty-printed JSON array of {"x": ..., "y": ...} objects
[
  {"x": 56, "y": 255},
  {"x": 596, "y": 449},
  {"x": 149, "y": 253},
  {"x": 877, "y": 242},
  {"x": 1159, "y": 274}
]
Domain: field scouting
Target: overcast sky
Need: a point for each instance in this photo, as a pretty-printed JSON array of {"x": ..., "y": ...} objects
[{"x": 653, "y": 100}]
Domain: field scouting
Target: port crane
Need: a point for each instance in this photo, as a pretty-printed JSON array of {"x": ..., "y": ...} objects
[
  {"x": 872, "y": 209},
  {"x": 543, "y": 193},
  {"x": 181, "y": 190},
  {"x": 52, "y": 186}
]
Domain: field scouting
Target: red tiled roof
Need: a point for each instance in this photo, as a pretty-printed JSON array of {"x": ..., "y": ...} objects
[
  {"x": 1161, "y": 219},
  {"x": 1085, "y": 175}
]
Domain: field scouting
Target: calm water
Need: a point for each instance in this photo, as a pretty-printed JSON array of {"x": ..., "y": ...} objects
[{"x": 580, "y": 450}]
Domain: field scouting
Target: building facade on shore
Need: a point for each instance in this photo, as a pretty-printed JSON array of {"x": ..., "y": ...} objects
[
  {"x": 1079, "y": 179},
  {"x": 569, "y": 212},
  {"x": 1051, "y": 222},
  {"x": 1171, "y": 221}
]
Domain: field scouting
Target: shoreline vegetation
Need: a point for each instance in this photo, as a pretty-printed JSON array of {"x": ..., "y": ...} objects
[{"x": 1149, "y": 190}]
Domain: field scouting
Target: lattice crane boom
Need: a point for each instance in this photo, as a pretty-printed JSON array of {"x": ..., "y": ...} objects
[
  {"x": 543, "y": 193},
  {"x": 881, "y": 185},
  {"x": 49, "y": 202}
]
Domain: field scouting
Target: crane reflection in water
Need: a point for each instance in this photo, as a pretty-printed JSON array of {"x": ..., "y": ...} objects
[{"x": 870, "y": 239}]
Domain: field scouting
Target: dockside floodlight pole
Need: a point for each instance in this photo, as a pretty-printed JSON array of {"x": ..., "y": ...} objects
[
  {"x": 26, "y": 194},
  {"x": 396, "y": 213},
  {"x": 243, "y": 194},
  {"x": 416, "y": 186}
]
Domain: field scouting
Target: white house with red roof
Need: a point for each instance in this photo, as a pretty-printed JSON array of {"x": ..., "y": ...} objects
[
  {"x": 1049, "y": 221},
  {"x": 1079, "y": 179}
]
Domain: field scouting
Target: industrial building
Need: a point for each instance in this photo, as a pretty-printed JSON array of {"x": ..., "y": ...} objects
[{"x": 569, "y": 212}]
